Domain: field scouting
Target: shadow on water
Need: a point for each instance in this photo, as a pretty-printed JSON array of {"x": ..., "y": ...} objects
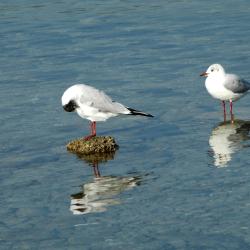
[
  {"x": 226, "y": 139},
  {"x": 103, "y": 191}
]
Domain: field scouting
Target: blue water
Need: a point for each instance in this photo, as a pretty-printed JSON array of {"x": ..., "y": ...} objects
[{"x": 179, "y": 181}]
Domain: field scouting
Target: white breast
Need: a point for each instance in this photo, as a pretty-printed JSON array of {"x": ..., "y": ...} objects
[
  {"x": 93, "y": 114},
  {"x": 217, "y": 90}
]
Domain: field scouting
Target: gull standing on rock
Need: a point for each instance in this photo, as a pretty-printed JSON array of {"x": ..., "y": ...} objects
[
  {"x": 94, "y": 105},
  {"x": 225, "y": 87}
]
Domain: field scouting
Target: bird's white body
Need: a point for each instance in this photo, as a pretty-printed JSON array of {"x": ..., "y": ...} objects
[
  {"x": 92, "y": 104},
  {"x": 88, "y": 112},
  {"x": 215, "y": 87},
  {"x": 223, "y": 86}
]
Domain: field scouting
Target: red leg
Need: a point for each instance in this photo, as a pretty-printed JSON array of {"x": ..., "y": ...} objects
[
  {"x": 231, "y": 111},
  {"x": 224, "y": 111},
  {"x": 92, "y": 131},
  {"x": 94, "y": 128}
]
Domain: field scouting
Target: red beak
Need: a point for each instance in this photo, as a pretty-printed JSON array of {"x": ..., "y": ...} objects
[{"x": 204, "y": 74}]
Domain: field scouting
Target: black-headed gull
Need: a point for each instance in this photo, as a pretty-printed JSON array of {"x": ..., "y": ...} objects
[
  {"x": 225, "y": 87},
  {"x": 94, "y": 105}
]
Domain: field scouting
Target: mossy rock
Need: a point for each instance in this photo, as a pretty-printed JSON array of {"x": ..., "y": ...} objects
[{"x": 95, "y": 145}]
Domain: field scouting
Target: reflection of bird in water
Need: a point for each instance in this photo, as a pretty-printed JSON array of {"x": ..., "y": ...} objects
[
  {"x": 97, "y": 195},
  {"x": 226, "y": 139}
]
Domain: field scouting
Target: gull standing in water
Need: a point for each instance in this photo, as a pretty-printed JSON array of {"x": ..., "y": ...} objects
[
  {"x": 225, "y": 87},
  {"x": 94, "y": 105}
]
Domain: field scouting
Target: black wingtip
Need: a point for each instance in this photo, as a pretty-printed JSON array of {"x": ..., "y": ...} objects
[{"x": 137, "y": 112}]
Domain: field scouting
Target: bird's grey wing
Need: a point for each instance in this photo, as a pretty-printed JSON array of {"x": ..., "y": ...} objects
[
  {"x": 236, "y": 84},
  {"x": 99, "y": 100}
]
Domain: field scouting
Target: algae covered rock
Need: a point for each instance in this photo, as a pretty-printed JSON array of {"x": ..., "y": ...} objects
[{"x": 97, "y": 144}]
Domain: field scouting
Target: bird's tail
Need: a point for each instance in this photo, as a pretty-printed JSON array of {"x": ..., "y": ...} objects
[{"x": 137, "y": 112}]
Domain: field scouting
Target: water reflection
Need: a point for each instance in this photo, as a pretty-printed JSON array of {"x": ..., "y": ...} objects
[
  {"x": 226, "y": 139},
  {"x": 103, "y": 191}
]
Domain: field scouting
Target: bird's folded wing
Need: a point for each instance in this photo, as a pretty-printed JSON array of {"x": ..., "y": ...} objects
[
  {"x": 99, "y": 100},
  {"x": 235, "y": 84}
]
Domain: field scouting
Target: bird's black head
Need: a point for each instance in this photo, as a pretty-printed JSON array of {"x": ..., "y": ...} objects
[{"x": 70, "y": 106}]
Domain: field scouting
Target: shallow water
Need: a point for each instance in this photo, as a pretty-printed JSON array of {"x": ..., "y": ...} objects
[{"x": 178, "y": 181}]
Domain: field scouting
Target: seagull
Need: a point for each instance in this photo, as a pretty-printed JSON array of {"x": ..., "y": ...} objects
[
  {"x": 225, "y": 87},
  {"x": 94, "y": 105}
]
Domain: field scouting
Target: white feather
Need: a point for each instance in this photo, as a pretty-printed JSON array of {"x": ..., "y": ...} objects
[{"x": 92, "y": 103}]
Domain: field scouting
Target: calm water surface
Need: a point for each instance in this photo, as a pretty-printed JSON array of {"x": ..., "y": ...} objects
[{"x": 178, "y": 181}]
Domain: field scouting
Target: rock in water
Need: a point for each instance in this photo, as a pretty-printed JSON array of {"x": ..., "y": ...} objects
[{"x": 97, "y": 144}]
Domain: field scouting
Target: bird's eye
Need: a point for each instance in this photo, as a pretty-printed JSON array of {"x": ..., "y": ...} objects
[{"x": 212, "y": 70}]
